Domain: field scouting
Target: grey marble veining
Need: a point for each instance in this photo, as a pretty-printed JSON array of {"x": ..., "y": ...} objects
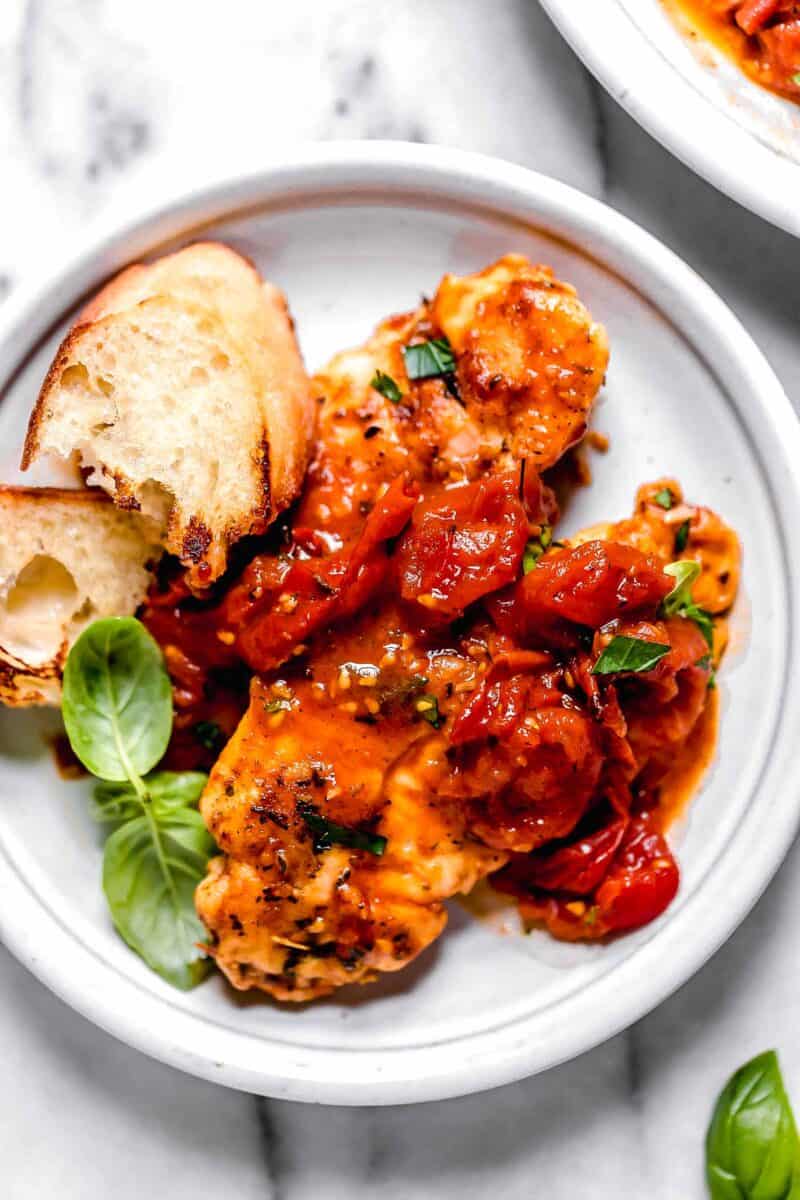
[{"x": 104, "y": 100}]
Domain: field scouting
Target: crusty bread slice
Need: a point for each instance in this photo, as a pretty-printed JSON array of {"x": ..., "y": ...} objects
[
  {"x": 66, "y": 558},
  {"x": 181, "y": 385}
]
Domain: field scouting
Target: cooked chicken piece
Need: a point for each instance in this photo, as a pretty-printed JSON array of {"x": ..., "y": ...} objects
[
  {"x": 530, "y": 358},
  {"x": 529, "y": 361},
  {"x": 291, "y": 911}
]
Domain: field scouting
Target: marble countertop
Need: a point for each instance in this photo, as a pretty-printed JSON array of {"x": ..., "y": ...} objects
[{"x": 104, "y": 99}]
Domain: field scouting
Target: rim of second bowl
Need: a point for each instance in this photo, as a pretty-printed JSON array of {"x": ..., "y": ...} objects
[
  {"x": 677, "y": 948},
  {"x": 641, "y": 79}
]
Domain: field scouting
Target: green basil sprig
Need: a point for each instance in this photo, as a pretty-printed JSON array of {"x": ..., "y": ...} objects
[
  {"x": 679, "y": 603},
  {"x": 629, "y": 654},
  {"x": 536, "y": 547},
  {"x": 752, "y": 1147},
  {"x": 386, "y": 386},
  {"x": 117, "y": 709},
  {"x": 429, "y": 360},
  {"x": 330, "y": 833}
]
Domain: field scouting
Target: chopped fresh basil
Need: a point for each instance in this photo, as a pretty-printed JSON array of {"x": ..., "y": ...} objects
[
  {"x": 209, "y": 735},
  {"x": 535, "y": 548},
  {"x": 428, "y": 707},
  {"x": 629, "y": 654},
  {"x": 277, "y": 704},
  {"x": 427, "y": 360},
  {"x": 684, "y": 573},
  {"x": 679, "y": 603},
  {"x": 665, "y": 498},
  {"x": 328, "y": 833},
  {"x": 387, "y": 387},
  {"x": 682, "y": 536},
  {"x": 796, "y": 79}
]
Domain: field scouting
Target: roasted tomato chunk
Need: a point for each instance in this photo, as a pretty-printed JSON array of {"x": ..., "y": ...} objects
[
  {"x": 279, "y": 602},
  {"x": 463, "y": 543},
  {"x": 525, "y": 758},
  {"x": 637, "y": 884},
  {"x": 582, "y": 586}
]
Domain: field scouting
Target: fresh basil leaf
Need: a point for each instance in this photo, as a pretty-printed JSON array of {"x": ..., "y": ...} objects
[
  {"x": 151, "y": 867},
  {"x": 684, "y": 573},
  {"x": 277, "y": 704},
  {"x": 703, "y": 620},
  {"x": 117, "y": 699},
  {"x": 427, "y": 360},
  {"x": 387, "y": 387},
  {"x": 629, "y": 654},
  {"x": 752, "y": 1147},
  {"x": 535, "y": 548},
  {"x": 165, "y": 791},
  {"x": 679, "y": 603},
  {"x": 682, "y": 536},
  {"x": 328, "y": 833},
  {"x": 665, "y": 498}
]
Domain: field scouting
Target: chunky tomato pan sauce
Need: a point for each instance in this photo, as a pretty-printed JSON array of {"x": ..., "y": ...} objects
[
  {"x": 761, "y": 36},
  {"x": 408, "y": 678}
]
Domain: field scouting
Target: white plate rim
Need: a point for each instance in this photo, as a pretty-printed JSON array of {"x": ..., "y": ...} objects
[
  {"x": 667, "y": 960},
  {"x": 686, "y": 122}
]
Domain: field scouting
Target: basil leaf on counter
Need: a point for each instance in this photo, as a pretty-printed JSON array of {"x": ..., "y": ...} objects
[
  {"x": 328, "y": 833},
  {"x": 427, "y": 360},
  {"x": 387, "y": 387},
  {"x": 117, "y": 699},
  {"x": 752, "y": 1147},
  {"x": 665, "y": 498},
  {"x": 629, "y": 654},
  {"x": 151, "y": 867}
]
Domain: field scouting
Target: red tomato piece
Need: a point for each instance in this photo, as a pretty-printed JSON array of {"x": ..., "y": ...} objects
[
  {"x": 639, "y": 885},
  {"x": 509, "y": 689},
  {"x": 642, "y": 882},
  {"x": 754, "y": 14},
  {"x": 463, "y": 542},
  {"x": 586, "y": 585},
  {"x": 280, "y": 602},
  {"x": 580, "y": 867}
]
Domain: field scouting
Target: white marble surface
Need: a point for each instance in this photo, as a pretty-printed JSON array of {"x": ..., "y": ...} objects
[{"x": 101, "y": 100}]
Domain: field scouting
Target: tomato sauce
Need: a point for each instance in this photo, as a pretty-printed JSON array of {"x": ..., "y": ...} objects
[
  {"x": 761, "y": 36},
  {"x": 418, "y": 594}
]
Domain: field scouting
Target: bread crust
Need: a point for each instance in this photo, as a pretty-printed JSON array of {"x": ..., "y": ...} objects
[
  {"x": 213, "y": 278},
  {"x": 31, "y": 520}
]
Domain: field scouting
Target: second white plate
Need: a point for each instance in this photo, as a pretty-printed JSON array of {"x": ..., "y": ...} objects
[{"x": 737, "y": 135}]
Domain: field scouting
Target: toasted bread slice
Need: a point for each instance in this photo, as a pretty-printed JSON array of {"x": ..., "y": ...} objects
[
  {"x": 181, "y": 385},
  {"x": 66, "y": 558}
]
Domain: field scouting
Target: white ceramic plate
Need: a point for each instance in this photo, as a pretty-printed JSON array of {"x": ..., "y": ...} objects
[
  {"x": 354, "y": 232},
  {"x": 737, "y": 135}
]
